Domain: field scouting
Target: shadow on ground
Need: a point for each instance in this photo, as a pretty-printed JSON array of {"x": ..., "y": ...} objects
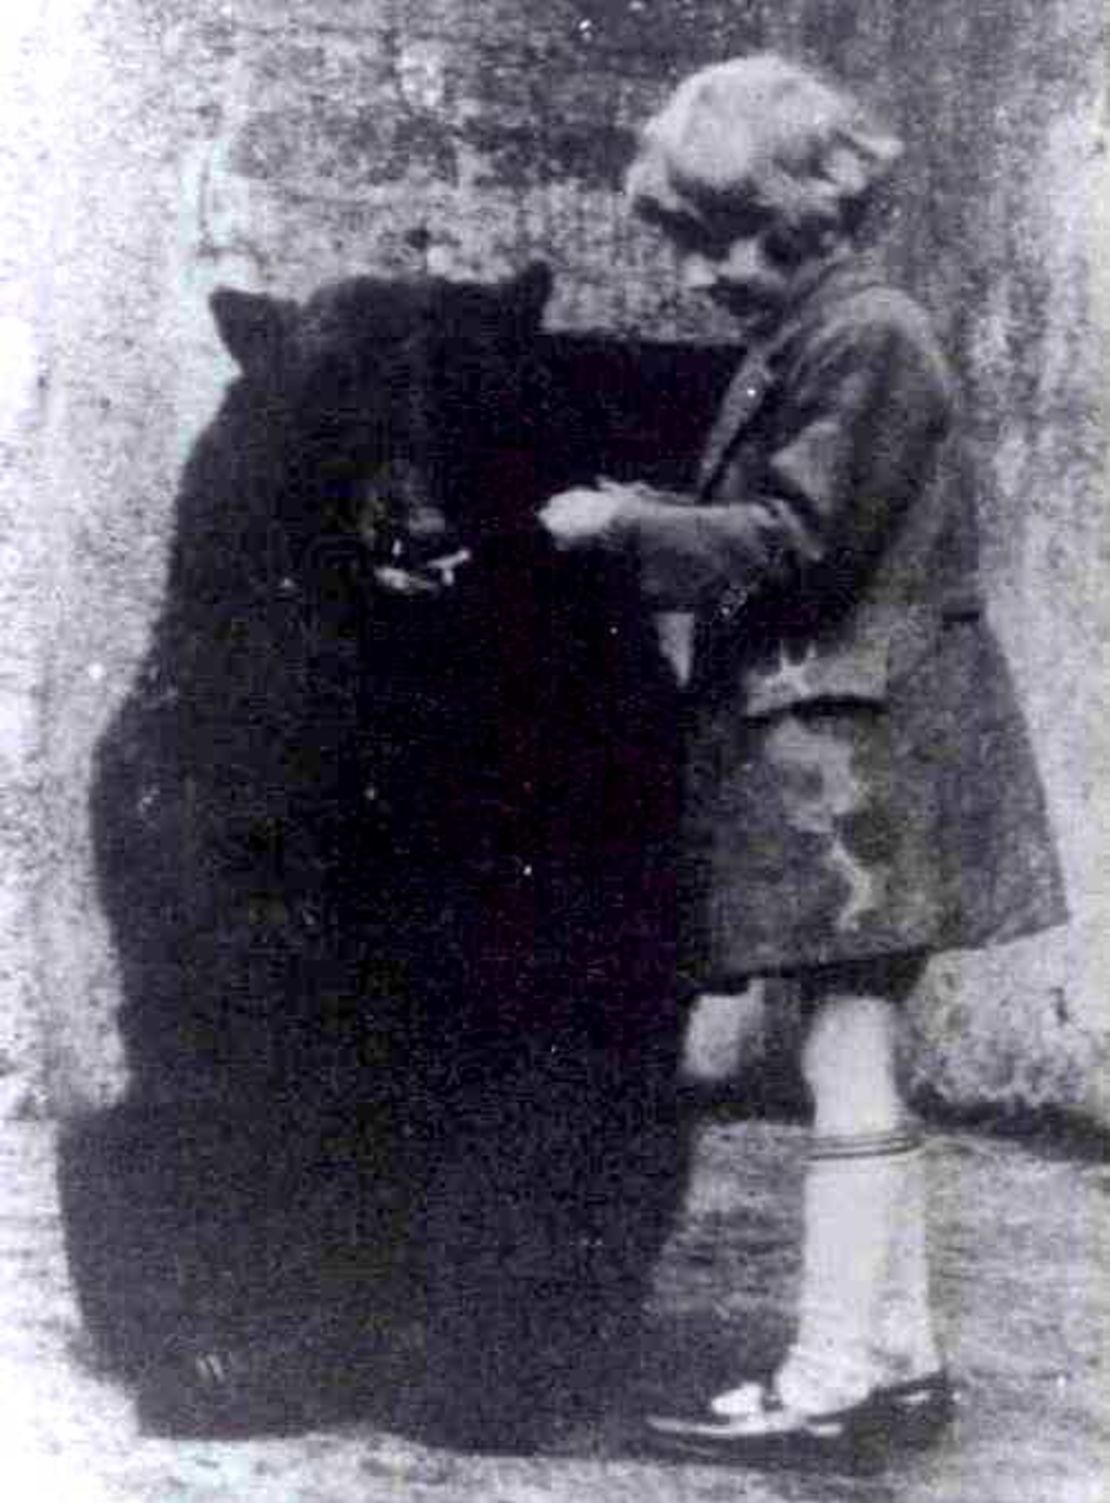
[{"x": 1018, "y": 1238}]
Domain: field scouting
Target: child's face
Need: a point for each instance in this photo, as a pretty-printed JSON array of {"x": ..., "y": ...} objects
[
  {"x": 738, "y": 258},
  {"x": 738, "y": 264}
]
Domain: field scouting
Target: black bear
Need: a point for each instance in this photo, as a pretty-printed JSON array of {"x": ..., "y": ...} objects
[{"x": 385, "y": 834}]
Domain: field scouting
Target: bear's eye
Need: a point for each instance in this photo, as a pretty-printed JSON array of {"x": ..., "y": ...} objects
[{"x": 372, "y": 517}]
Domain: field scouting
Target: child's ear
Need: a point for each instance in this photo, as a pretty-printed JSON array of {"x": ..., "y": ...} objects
[
  {"x": 253, "y": 326},
  {"x": 845, "y": 172}
]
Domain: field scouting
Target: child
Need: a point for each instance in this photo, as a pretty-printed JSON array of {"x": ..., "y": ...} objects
[{"x": 851, "y": 726}]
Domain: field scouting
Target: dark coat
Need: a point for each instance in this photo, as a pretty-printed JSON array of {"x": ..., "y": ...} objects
[{"x": 860, "y": 782}]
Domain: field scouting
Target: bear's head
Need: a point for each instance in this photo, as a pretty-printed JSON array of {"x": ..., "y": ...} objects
[{"x": 400, "y": 414}]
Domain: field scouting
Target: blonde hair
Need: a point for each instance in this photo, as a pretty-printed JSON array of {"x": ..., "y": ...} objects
[{"x": 765, "y": 134}]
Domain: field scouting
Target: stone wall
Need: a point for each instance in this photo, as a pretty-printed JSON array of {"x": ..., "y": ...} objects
[{"x": 158, "y": 149}]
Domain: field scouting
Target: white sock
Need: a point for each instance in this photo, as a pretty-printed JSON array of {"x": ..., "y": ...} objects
[
  {"x": 863, "y": 1312},
  {"x": 904, "y": 1340}
]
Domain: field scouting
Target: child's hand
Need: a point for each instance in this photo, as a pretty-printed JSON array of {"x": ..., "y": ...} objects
[{"x": 584, "y": 518}]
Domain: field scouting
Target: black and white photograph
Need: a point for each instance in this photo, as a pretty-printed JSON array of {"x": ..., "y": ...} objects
[{"x": 554, "y": 751}]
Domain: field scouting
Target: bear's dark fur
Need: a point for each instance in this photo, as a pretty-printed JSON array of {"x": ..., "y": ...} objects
[{"x": 387, "y": 853}]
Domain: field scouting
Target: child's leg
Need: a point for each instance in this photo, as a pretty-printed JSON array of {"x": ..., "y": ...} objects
[{"x": 864, "y": 1319}]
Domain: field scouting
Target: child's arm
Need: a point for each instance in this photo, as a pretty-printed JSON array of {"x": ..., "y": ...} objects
[{"x": 858, "y": 432}]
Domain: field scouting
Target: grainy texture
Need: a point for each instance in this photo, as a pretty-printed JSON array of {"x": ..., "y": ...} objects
[
  {"x": 1019, "y": 1243},
  {"x": 156, "y": 151}
]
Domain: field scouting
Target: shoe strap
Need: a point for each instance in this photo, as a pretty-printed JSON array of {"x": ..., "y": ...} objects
[{"x": 900, "y": 1141}]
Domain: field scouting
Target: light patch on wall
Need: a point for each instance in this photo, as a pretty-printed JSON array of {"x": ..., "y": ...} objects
[
  {"x": 1073, "y": 205},
  {"x": 226, "y": 220},
  {"x": 221, "y": 230},
  {"x": 422, "y": 75},
  {"x": 19, "y": 370},
  {"x": 17, "y": 18}
]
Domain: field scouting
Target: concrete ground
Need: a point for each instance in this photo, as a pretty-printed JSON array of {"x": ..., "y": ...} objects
[{"x": 1021, "y": 1281}]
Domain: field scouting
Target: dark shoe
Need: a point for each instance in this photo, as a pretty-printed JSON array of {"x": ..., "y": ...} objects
[
  {"x": 914, "y": 1413},
  {"x": 771, "y": 1434}
]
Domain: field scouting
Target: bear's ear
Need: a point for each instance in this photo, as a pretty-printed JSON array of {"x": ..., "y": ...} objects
[
  {"x": 530, "y": 290},
  {"x": 252, "y": 325}
]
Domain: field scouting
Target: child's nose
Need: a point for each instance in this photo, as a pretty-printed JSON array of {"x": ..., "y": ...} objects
[
  {"x": 697, "y": 272},
  {"x": 745, "y": 257}
]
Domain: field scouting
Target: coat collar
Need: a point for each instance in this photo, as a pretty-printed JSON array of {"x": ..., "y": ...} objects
[
  {"x": 758, "y": 370},
  {"x": 839, "y": 280}
]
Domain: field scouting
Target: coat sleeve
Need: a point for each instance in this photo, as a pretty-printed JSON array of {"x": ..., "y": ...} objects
[{"x": 862, "y": 416}]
